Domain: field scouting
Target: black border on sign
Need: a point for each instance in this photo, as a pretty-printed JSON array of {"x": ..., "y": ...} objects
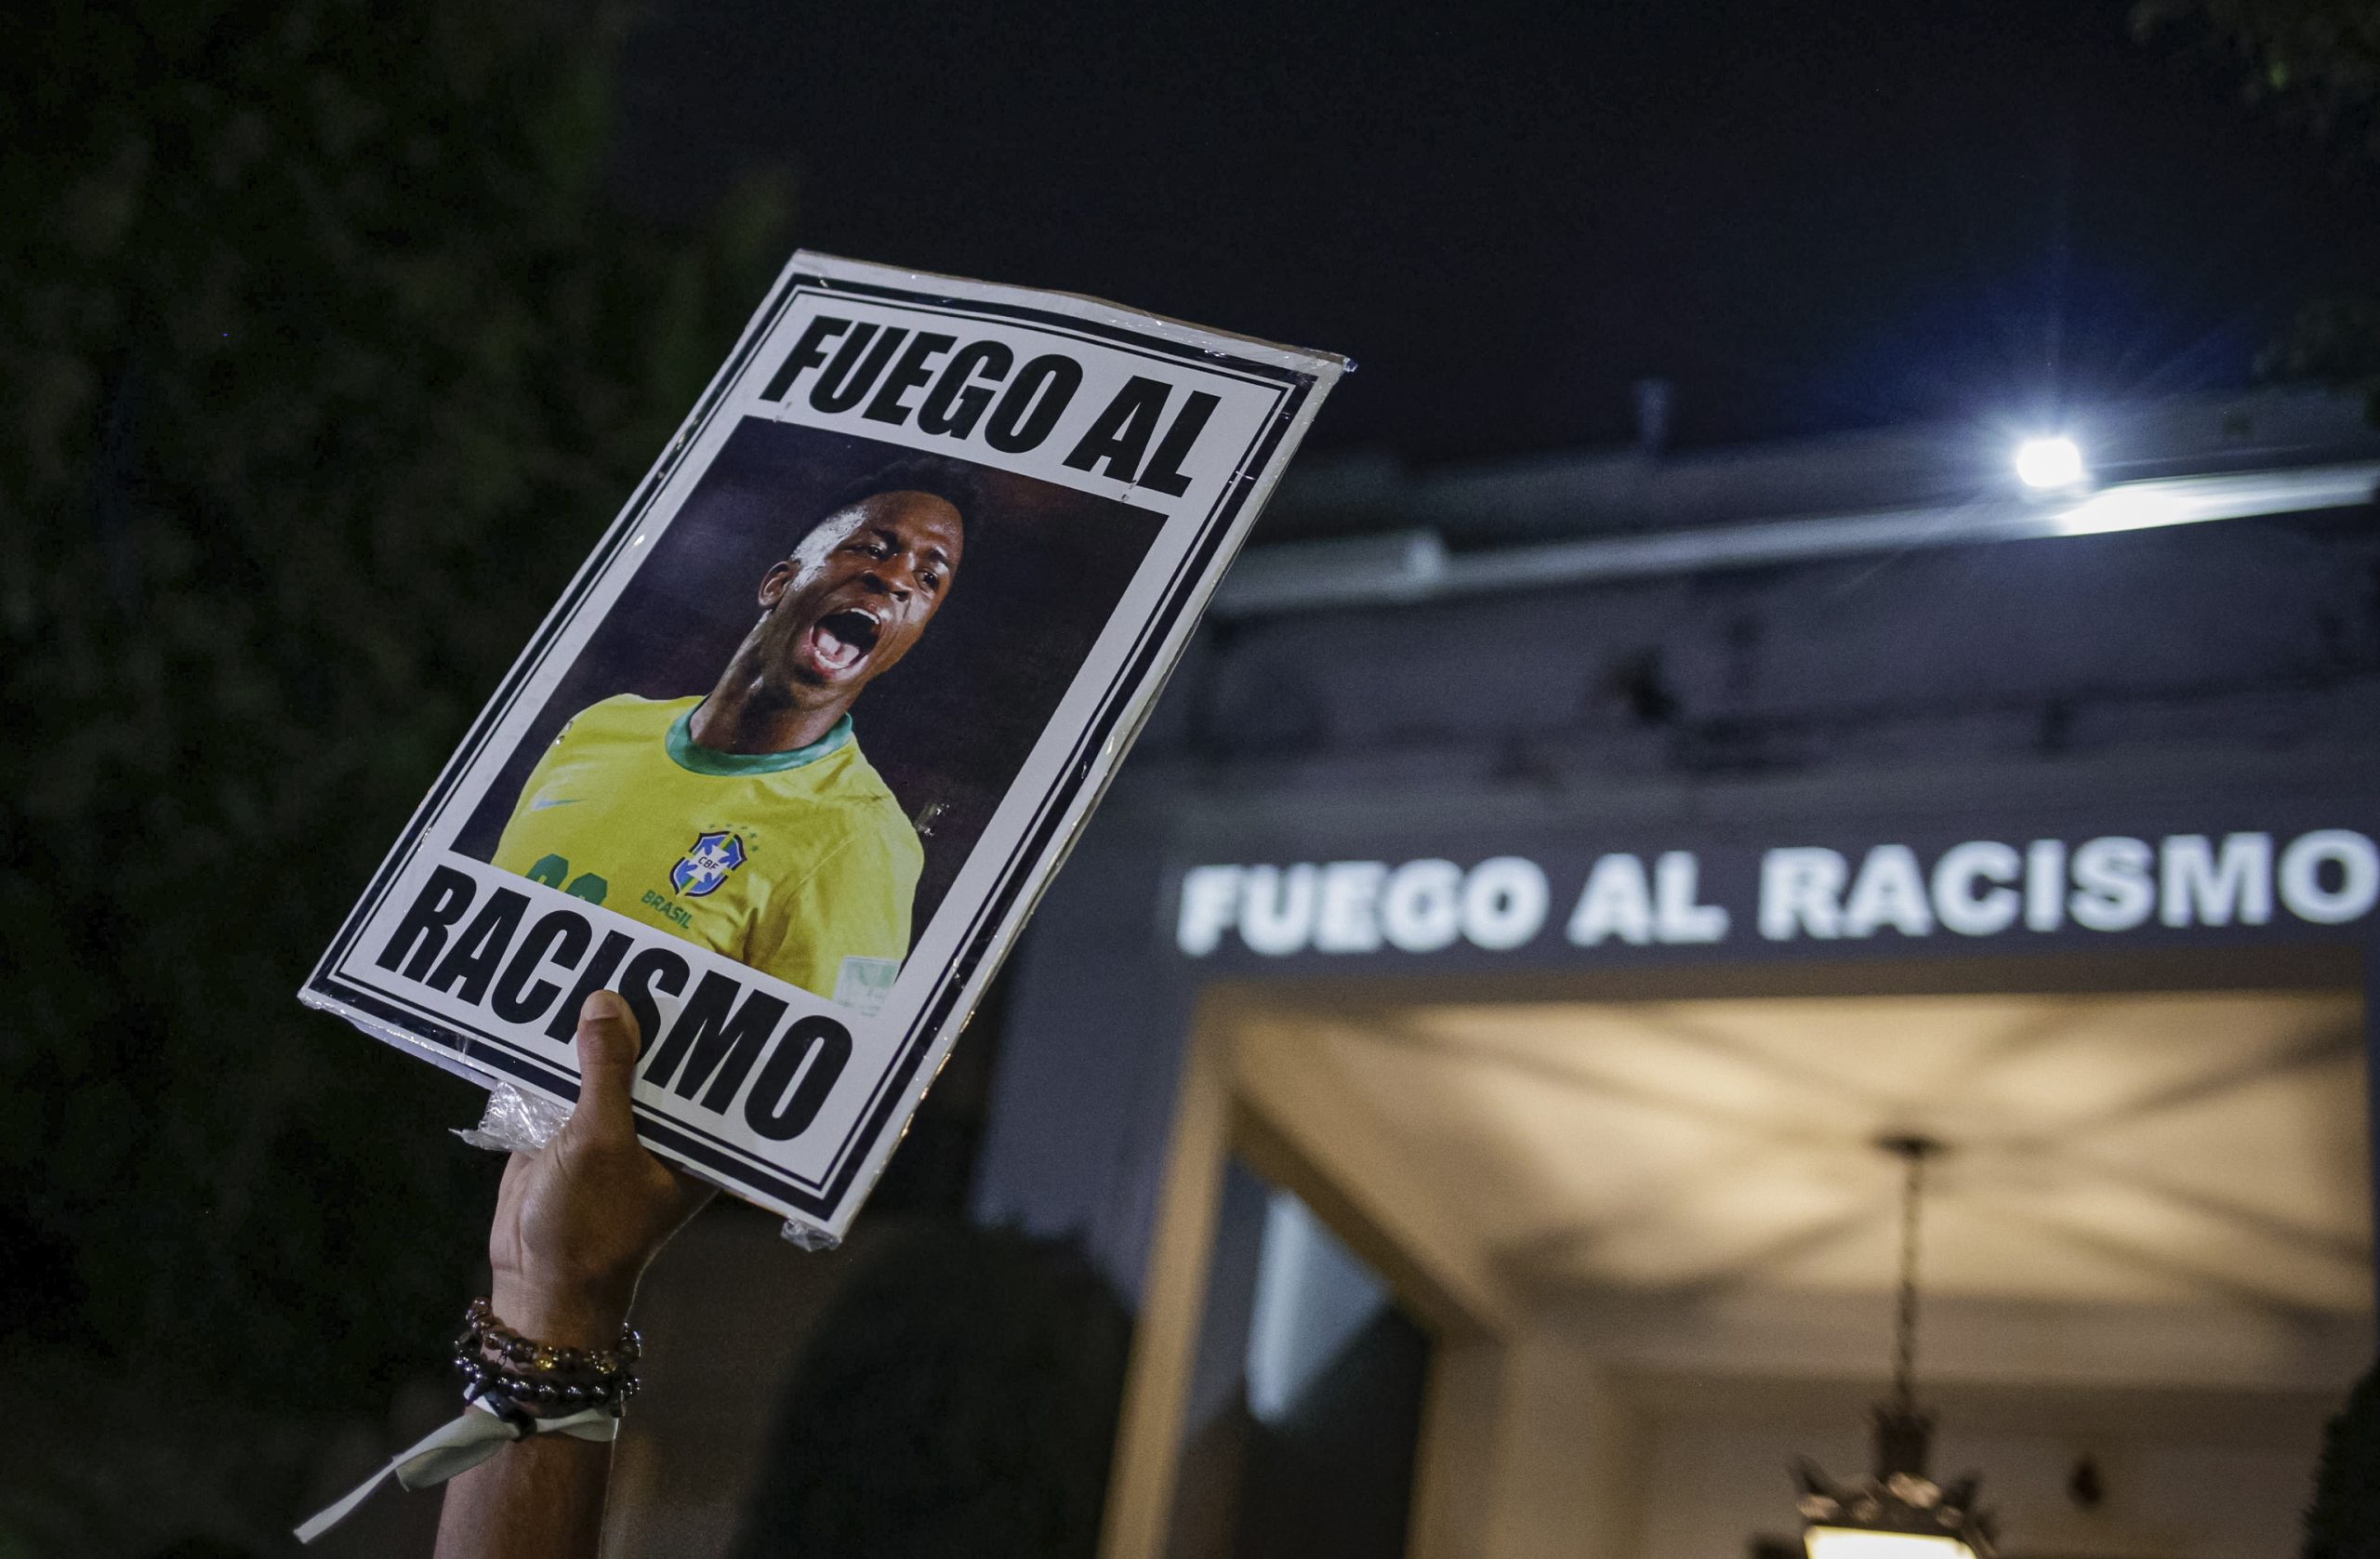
[{"x": 1133, "y": 680}]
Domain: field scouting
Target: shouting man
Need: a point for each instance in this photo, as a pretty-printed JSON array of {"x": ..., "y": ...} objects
[{"x": 747, "y": 820}]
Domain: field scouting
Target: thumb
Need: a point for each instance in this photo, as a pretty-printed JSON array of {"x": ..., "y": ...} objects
[{"x": 607, "y": 1050}]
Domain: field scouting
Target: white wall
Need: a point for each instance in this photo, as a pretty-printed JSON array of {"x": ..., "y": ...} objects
[{"x": 1571, "y": 1456}]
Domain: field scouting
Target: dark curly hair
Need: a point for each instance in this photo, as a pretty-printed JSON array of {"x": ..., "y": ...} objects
[{"x": 954, "y": 482}]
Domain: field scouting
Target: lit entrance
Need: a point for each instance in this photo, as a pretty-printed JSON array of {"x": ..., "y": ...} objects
[{"x": 1651, "y": 1249}]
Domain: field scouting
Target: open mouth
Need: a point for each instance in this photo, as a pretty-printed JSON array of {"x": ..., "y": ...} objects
[{"x": 840, "y": 640}]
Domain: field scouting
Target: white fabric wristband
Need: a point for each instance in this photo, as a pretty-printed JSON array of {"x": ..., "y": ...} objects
[{"x": 457, "y": 1446}]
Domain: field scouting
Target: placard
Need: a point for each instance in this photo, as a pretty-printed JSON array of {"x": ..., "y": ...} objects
[{"x": 793, "y": 756}]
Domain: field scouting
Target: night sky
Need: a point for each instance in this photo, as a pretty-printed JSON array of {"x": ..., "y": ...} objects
[{"x": 1808, "y": 216}]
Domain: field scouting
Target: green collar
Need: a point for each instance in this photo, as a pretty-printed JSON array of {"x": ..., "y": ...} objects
[{"x": 695, "y": 757}]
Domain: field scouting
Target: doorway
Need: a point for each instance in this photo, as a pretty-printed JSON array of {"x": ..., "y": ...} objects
[{"x": 1647, "y": 1246}]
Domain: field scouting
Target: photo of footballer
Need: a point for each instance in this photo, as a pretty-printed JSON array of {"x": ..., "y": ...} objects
[
  {"x": 703, "y": 768},
  {"x": 798, "y": 748}
]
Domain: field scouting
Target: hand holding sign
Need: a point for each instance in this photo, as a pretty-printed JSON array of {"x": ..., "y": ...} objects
[{"x": 576, "y": 1224}]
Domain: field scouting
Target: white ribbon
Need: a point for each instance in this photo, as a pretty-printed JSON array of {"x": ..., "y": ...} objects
[{"x": 457, "y": 1448}]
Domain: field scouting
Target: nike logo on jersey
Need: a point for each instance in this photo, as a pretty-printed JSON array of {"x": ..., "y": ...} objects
[{"x": 542, "y": 802}]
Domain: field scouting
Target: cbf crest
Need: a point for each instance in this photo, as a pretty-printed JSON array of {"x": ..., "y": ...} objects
[{"x": 707, "y": 865}]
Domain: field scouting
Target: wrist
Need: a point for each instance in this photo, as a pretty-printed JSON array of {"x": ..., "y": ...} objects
[{"x": 562, "y": 1315}]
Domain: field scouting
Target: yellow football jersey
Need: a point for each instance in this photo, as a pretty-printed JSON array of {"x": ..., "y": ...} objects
[{"x": 799, "y": 863}]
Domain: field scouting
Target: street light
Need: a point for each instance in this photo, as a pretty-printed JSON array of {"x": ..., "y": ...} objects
[{"x": 2050, "y": 464}]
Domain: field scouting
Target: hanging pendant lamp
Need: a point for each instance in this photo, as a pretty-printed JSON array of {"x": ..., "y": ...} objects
[{"x": 1899, "y": 1511}]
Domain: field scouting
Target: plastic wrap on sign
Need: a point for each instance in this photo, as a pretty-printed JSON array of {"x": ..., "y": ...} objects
[
  {"x": 516, "y": 1122},
  {"x": 693, "y": 790}
]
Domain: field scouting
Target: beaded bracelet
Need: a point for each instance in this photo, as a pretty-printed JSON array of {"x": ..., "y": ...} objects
[{"x": 519, "y": 1376}]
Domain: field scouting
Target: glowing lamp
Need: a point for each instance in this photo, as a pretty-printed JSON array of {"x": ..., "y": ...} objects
[
  {"x": 1855, "y": 1542},
  {"x": 1899, "y": 1511},
  {"x": 2050, "y": 465}
]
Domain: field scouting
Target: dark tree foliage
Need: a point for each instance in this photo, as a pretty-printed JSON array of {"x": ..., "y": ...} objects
[
  {"x": 326, "y": 358},
  {"x": 2318, "y": 61},
  {"x": 959, "y": 1397},
  {"x": 2316, "y": 58},
  {"x": 2343, "y": 1521}
]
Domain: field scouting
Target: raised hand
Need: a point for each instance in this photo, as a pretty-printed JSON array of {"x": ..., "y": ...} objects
[{"x": 576, "y": 1223}]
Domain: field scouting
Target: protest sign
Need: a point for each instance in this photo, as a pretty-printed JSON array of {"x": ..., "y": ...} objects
[{"x": 1010, "y": 507}]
